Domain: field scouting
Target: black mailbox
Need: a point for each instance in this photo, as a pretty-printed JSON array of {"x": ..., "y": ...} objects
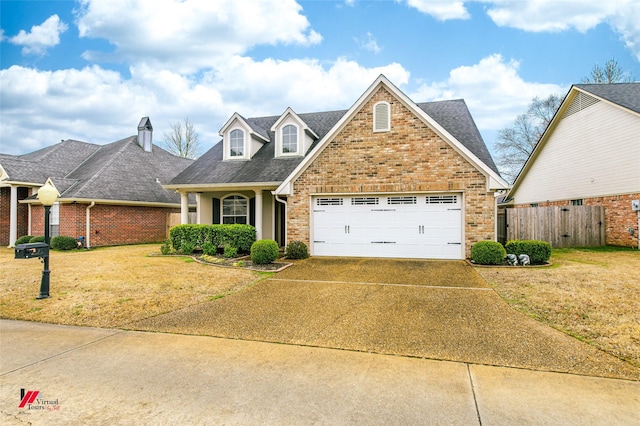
[{"x": 27, "y": 251}]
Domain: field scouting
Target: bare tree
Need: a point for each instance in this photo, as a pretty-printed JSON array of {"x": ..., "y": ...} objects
[
  {"x": 182, "y": 140},
  {"x": 610, "y": 73},
  {"x": 515, "y": 143}
]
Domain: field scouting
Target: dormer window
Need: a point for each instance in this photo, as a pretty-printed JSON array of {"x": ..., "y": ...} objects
[
  {"x": 236, "y": 144},
  {"x": 290, "y": 139},
  {"x": 381, "y": 117}
]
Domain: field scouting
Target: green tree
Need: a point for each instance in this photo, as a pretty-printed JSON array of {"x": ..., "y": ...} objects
[{"x": 182, "y": 140}]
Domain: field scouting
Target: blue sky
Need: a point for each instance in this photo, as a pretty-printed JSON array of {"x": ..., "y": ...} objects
[{"x": 90, "y": 69}]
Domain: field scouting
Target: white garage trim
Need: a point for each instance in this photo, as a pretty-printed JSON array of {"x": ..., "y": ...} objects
[{"x": 420, "y": 225}]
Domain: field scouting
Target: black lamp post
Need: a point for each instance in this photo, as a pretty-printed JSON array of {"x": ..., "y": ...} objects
[{"x": 47, "y": 195}]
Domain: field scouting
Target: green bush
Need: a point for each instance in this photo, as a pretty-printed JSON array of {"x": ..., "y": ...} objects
[
  {"x": 539, "y": 251},
  {"x": 296, "y": 250},
  {"x": 239, "y": 236},
  {"x": 230, "y": 252},
  {"x": 63, "y": 243},
  {"x": 38, "y": 239},
  {"x": 165, "y": 248},
  {"x": 187, "y": 248},
  {"x": 264, "y": 252},
  {"x": 24, "y": 239},
  {"x": 488, "y": 253},
  {"x": 209, "y": 249}
]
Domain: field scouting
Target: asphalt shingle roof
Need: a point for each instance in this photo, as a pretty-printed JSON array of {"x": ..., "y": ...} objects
[
  {"x": 121, "y": 170},
  {"x": 626, "y": 95},
  {"x": 210, "y": 168}
]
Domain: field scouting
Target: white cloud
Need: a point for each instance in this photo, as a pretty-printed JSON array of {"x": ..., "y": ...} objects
[
  {"x": 441, "y": 9},
  {"x": 41, "y": 36},
  {"x": 582, "y": 15},
  {"x": 99, "y": 106},
  {"x": 369, "y": 43},
  {"x": 191, "y": 35},
  {"x": 492, "y": 89}
]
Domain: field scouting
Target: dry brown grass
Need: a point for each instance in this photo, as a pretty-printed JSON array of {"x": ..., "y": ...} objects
[
  {"x": 110, "y": 287},
  {"x": 593, "y": 295}
]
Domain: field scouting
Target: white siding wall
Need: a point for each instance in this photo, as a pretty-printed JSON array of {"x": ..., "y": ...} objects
[{"x": 591, "y": 153}]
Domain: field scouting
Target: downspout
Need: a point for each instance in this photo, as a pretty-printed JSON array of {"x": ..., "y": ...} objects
[
  {"x": 286, "y": 223},
  {"x": 88, "y": 223}
]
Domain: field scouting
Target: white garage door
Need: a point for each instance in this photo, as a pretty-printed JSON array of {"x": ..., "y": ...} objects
[{"x": 410, "y": 226}]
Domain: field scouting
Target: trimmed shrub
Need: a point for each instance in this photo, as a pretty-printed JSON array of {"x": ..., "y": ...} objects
[
  {"x": 63, "y": 243},
  {"x": 238, "y": 236},
  {"x": 488, "y": 253},
  {"x": 264, "y": 252},
  {"x": 296, "y": 250},
  {"x": 24, "y": 239},
  {"x": 230, "y": 252},
  {"x": 209, "y": 249},
  {"x": 539, "y": 251},
  {"x": 38, "y": 239},
  {"x": 187, "y": 248}
]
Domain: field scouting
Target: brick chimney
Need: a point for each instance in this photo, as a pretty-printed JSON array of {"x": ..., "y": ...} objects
[{"x": 145, "y": 134}]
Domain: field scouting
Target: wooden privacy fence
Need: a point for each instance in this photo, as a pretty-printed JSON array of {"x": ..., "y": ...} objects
[
  {"x": 173, "y": 219},
  {"x": 561, "y": 226}
]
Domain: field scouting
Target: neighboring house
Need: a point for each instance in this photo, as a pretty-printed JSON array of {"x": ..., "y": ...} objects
[
  {"x": 386, "y": 178},
  {"x": 589, "y": 155},
  {"x": 110, "y": 194}
]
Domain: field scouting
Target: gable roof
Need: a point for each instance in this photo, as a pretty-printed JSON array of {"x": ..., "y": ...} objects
[
  {"x": 471, "y": 146},
  {"x": 450, "y": 118},
  {"x": 626, "y": 95},
  {"x": 121, "y": 171},
  {"x": 264, "y": 168},
  {"x": 621, "y": 95}
]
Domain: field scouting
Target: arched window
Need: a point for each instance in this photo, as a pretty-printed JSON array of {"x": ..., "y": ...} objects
[
  {"x": 235, "y": 209},
  {"x": 290, "y": 139},
  {"x": 236, "y": 143},
  {"x": 381, "y": 117}
]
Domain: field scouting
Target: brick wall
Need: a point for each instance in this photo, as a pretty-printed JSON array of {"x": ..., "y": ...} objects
[
  {"x": 5, "y": 213},
  {"x": 110, "y": 225},
  {"x": 409, "y": 158},
  {"x": 619, "y": 217}
]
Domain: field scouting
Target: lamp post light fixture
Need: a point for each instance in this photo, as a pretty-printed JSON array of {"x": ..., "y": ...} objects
[{"x": 47, "y": 194}]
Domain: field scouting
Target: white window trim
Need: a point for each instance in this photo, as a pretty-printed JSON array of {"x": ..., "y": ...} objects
[
  {"x": 222, "y": 216},
  {"x": 245, "y": 148},
  {"x": 281, "y": 137},
  {"x": 375, "y": 117}
]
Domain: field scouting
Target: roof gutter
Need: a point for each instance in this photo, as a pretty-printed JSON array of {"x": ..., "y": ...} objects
[{"x": 110, "y": 202}]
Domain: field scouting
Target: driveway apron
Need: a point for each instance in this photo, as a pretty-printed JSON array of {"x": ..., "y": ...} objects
[{"x": 429, "y": 309}]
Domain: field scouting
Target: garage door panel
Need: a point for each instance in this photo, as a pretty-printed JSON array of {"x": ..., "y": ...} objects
[{"x": 413, "y": 225}]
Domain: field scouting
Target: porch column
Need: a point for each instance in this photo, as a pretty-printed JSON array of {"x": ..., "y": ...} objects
[
  {"x": 258, "y": 214},
  {"x": 199, "y": 207},
  {"x": 13, "y": 216},
  {"x": 184, "y": 208}
]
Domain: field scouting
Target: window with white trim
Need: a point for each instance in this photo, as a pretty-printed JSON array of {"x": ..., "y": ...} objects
[
  {"x": 54, "y": 220},
  {"x": 236, "y": 143},
  {"x": 381, "y": 117},
  {"x": 290, "y": 139},
  {"x": 235, "y": 209}
]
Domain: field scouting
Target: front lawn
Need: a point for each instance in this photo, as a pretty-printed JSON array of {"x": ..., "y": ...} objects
[
  {"x": 111, "y": 286},
  {"x": 591, "y": 294}
]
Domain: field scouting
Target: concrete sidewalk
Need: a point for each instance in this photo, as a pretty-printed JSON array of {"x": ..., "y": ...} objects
[{"x": 98, "y": 376}]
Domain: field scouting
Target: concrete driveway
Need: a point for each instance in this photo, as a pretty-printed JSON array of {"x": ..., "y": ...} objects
[{"x": 429, "y": 309}]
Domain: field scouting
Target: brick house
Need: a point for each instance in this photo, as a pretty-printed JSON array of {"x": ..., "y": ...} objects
[
  {"x": 386, "y": 178},
  {"x": 589, "y": 155},
  {"x": 110, "y": 194}
]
